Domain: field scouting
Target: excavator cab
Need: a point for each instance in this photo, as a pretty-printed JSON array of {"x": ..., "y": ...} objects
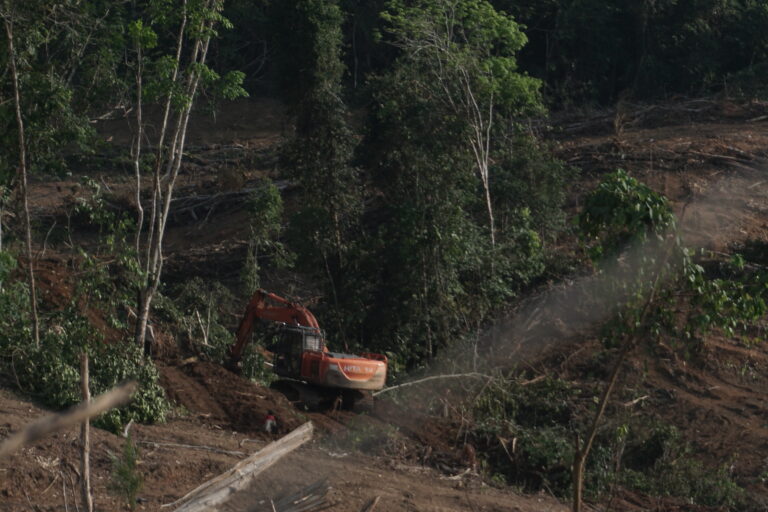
[{"x": 292, "y": 342}]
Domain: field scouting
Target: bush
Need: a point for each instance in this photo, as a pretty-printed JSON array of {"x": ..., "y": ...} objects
[
  {"x": 195, "y": 311},
  {"x": 51, "y": 372},
  {"x": 126, "y": 479},
  {"x": 660, "y": 463},
  {"x": 619, "y": 212},
  {"x": 538, "y": 417},
  {"x": 541, "y": 418}
]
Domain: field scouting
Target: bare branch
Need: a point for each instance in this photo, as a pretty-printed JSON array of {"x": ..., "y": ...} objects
[
  {"x": 76, "y": 415},
  {"x": 472, "y": 375}
]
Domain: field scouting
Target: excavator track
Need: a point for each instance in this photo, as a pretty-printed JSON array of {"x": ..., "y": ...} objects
[{"x": 314, "y": 398}]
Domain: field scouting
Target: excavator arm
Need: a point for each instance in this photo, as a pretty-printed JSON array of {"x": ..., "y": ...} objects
[{"x": 270, "y": 307}]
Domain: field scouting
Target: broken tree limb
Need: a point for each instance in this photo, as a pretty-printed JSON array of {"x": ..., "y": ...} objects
[
  {"x": 219, "y": 489},
  {"x": 193, "y": 447},
  {"x": 472, "y": 375},
  {"x": 371, "y": 504},
  {"x": 636, "y": 401},
  {"x": 74, "y": 416}
]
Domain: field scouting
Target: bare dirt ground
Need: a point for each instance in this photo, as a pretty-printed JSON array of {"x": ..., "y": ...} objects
[
  {"x": 45, "y": 476},
  {"x": 708, "y": 155}
]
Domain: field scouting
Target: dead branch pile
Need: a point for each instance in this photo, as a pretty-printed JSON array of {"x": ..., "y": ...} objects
[{"x": 312, "y": 498}]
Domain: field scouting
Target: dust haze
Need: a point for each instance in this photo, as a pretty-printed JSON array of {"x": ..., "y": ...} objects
[{"x": 714, "y": 214}]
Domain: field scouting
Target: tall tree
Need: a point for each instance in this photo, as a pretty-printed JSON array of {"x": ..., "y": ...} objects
[
  {"x": 465, "y": 52},
  {"x": 439, "y": 117},
  {"x": 22, "y": 170},
  {"x": 181, "y": 75},
  {"x": 43, "y": 48},
  {"x": 320, "y": 151},
  {"x": 46, "y": 47}
]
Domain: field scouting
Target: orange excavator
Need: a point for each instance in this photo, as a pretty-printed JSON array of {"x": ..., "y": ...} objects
[{"x": 310, "y": 373}]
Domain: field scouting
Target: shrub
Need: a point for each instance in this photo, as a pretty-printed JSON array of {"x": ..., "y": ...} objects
[
  {"x": 51, "y": 372},
  {"x": 660, "y": 463},
  {"x": 622, "y": 210},
  {"x": 126, "y": 479},
  {"x": 195, "y": 311},
  {"x": 537, "y": 417},
  {"x": 541, "y": 417}
]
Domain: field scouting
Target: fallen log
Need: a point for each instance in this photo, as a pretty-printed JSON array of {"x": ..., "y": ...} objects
[{"x": 220, "y": 489}]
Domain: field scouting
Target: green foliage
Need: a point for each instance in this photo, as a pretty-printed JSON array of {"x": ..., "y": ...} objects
[
  {"x": 308, "y": 41},
  {"x": 245, "y": 46},
  {"x": 143, "y": 36},
  {"x": 325, "y": 231},
  {"x": 527, "y": 176},
  {"x": 622, "y": 211},
  {"x": 51, "y": 372},
  {"x": 265, "y": 207},
  {"x": 7, "y": 265},
  {"x": 463, "y": 43},
  {"x": 115, "y": 227},
  {"x": 195, "y": 313},
  {"x": 659, "y": 463},
  {"x": 65, "y": 70},
  {"x": 437, "y": 274},
  {"x": 428, "y": 247},
  {"x": 662, "y": 293},
  {"x": 642, "y": 455},
  {"x": 161, "y": 78},
  {"x": 126, "y": 479},
  {"x": 119, "y": 362},
  {"x": 731, "y": 304},
  {"x": 537, "y": 417},
  {"x": 625, "y": 215}
]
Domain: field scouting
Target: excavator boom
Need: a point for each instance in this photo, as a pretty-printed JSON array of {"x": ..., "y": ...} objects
[{"x": 283, "y": 311}]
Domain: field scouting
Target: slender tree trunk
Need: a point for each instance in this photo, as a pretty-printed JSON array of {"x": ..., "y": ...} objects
[
  {"x": 480, "y": 140},
  {"x": 165, "y": 194},
  {"x": 489, "y": 207},
  {"x": 85, "y": 462},
  {"x": 23, "y": 177},
  {"x": 146, "y": 292},
  {"x": 137, "y": 150},
  {"x": 582, "y": 452},
  {"x": 580, "y": 457}
]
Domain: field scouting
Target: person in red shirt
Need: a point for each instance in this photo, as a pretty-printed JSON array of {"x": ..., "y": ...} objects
[{"x": 270, "y": 423}]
